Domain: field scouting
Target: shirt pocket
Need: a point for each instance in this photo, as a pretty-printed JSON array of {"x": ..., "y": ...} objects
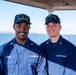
[
  {"x": 61, "y": 59},
  {"x": 33, "y": 59},
  {"x": 11, "y": 64}
]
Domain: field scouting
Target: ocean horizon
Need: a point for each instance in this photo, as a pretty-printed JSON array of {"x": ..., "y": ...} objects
[{"x": 37, "y": 38}]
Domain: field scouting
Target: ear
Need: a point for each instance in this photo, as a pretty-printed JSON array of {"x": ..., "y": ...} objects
[
  {"x": 46, "y": 27},
  {"x": 60, "y": 27},
  {"x": 14, "y": 27},
  {"x": 29, "y": 26}
]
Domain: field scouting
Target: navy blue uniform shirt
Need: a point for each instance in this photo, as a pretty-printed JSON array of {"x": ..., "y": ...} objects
[
  {"x": 16, "y": 59},
  {"x": 59, "y": 57}
]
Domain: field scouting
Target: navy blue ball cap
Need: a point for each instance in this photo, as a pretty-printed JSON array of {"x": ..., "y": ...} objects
[
  {"x": 52, "y": 18},
  {"x": 19, "y": 18}
]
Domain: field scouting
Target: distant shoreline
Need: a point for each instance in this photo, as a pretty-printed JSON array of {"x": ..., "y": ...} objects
[{"x": 1, "y": 32}]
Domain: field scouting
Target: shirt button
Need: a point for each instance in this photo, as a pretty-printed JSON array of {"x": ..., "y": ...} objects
[{"x": 60, "y": 42}]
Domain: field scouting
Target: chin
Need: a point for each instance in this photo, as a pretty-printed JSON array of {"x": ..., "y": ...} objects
[
  {"x": 24, "y": 38},
  {"x": 51, "y": 35}
]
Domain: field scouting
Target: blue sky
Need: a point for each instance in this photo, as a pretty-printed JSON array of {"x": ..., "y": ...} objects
[{"x": 8, "y": 10}]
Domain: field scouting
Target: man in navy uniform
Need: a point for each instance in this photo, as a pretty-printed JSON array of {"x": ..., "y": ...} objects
[
  {"x": 21, "y": 56},
  {"x": 59, "y": 52}
]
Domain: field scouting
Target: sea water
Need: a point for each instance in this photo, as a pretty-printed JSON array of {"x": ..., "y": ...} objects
[{"x": 37, "y": 38}]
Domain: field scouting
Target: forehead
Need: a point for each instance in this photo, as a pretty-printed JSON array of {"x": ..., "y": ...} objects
[
  {"x": 22, "y": 23},
  {"x": 52, "y": 23}
]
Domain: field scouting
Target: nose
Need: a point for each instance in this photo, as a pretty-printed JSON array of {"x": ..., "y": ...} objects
[
  {"x": 23, "y": 28},
  {"x": 51, "y": 26}
]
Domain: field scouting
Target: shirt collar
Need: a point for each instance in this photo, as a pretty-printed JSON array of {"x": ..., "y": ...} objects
[
  {"x": 60, "y": 41},
  {"x": 27, "y": 45}
]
